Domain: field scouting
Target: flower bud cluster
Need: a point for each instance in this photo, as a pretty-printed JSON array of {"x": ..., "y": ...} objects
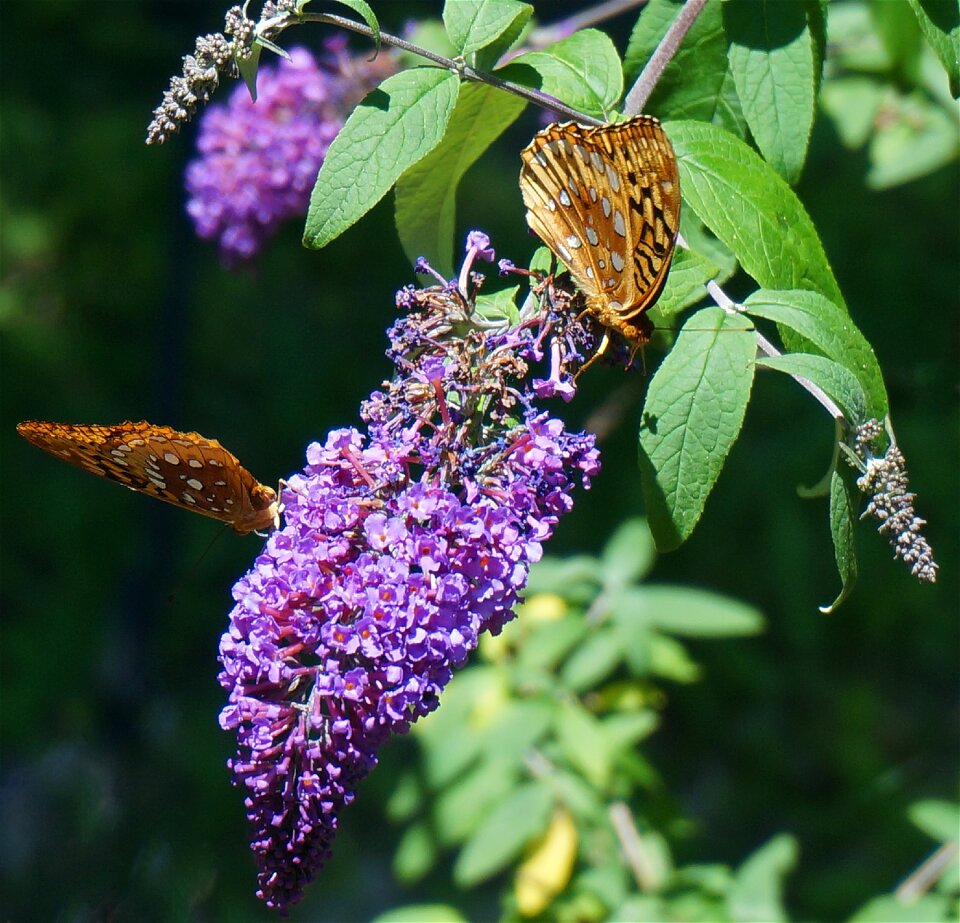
[
  {"x": 213, "y": 55},
  {"x": 885, "y": 480}
]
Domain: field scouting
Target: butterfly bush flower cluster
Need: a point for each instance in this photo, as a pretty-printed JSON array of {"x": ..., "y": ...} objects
[
  {"x": 403, "y": 541},
  {"x": 258, "y": 160}
]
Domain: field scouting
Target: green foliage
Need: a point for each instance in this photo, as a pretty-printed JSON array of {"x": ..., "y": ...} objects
[
  {"x": 553, "y": 718},
  {"x": 892, "y": 83},
  {"x": 751, "y": 209},
  {"x": 583, "y": 70},
  {"x": 689, "y": 272},
  {"x": 365, "y": 12},
  {"x": 483, "y": 30},
  {"x": 757, "y": 889},
  {"x": 938, "y": 819},
  {"x": 397, "y": 125},
  {"x": 775, "y": 68},
  {"x": 697, "y": 83},
  {"x": 838, "y": 382},
  {"x": 689, "y": 423},
  {"x": 426, "y": 193},
  {"x": 821, "y": 323},
  {"x": 844, "y": 503}
]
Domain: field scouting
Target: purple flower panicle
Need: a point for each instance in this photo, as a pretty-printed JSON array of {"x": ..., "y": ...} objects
[
  {"x": 258, "y": 160},
  {"x": 400, "y": 546}
]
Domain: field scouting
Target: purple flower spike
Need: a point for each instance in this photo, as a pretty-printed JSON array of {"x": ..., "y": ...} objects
[
  {"x": 259, "y": 160},
  {"x": 400, "y": 546}
]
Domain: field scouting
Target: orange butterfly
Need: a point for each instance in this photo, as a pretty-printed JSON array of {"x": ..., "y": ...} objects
[
  {"x": 184, "y": 469},
  {"x": 606, "y": 201}
]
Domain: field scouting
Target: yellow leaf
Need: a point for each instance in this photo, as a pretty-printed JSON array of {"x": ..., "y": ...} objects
[{"x": 547, "y": 870}]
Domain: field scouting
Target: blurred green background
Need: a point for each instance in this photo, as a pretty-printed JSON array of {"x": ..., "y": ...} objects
[{"x": 115, "y": 798}]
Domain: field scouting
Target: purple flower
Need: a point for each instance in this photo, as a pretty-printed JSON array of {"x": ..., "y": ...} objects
[
  {"x": 258, "y": 160},
  {"x": 401, "y": 545}
]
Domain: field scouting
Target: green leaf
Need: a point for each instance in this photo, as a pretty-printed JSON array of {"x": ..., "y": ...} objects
[
  {"x": 517, "y": 727},
  {"x": 938, "y": 819},
  {"x": 626, "y": 730},
  {"x": 692, "y": 415},
  {"x": 576, "y": 578},
  {"x": 506, "y": 831},
  {"x": 421, "y": 913},
  {"x": 692, "y": 613},
  {"x": 499, "y": 306},
  {"x": 584, "y": 743},
  {"x": 429, "y": 34},
  {"x": 406, "y": 797},
  {"x": 837, "y": 381},
  {"x": 364, "y": 11},
  {"x": 887, "y": 908},
  {"x": 689, "y": 273},
  {"x": 490, "y": 26},
  {"x": 593, "y": 661},
  {"x": 916, "y": 137},
  {"x": 550, "y": 643},
  {"x": 474, "y": 24},
  {"x": 628, "y": 554},
  {"x": 395, "y": 126},
  {"x": 416, "y": 853},
  {"x": 775, "y": 72},
  {"x": 636, "y": 637},
  {"x": 704, "y": 243},
  {"x": 669, "y": 659},
  {"x": 248, "y": 68},
  {"x": 648, "y": 908},
  {"x": 462, "y": 807},
  {"x": 853, "y": 104},
  {"x": 897, "y": 28},
  {"x": 844, "y": 499},
  {"x": 854, "y": 44},
  {"x": 751, "y": 209},
  {"x": 583, "y": 71},
  {"x": 756, "y": 893},
  {"x": 940, "y": 24},
  {"x": 820, "y": 322},
  {"x": 426, "y": 194},
  {"x": 447, "y": 737},
  {"x": 817, "y": 23},
  {"x": 697, "y": 83}
]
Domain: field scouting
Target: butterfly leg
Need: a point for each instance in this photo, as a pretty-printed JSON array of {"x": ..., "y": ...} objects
[{"x": 604, "y": 346}]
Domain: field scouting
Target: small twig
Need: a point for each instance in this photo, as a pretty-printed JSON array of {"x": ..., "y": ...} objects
[
  {"x": 927, "y": 874},
  {"x": 641, "y": 90},
  {"x": 634, "y": 849},
  {"x": 722, "y": 300},
  {"x": 547, "y": 35},
  {"x": 457, "y": 67}
]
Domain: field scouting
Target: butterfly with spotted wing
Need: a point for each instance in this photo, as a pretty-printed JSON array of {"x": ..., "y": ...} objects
[
  {"x": 606, "y": 201},
  {"x": 185, "y": 469}
]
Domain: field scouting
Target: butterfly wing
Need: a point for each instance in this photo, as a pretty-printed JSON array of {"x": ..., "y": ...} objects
[{"x": 185, "y": 469}]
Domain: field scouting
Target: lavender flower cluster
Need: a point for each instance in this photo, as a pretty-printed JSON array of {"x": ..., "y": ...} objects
[
  {"x": 258, "y": 160},
  {"x": 401, "y": 545}
]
